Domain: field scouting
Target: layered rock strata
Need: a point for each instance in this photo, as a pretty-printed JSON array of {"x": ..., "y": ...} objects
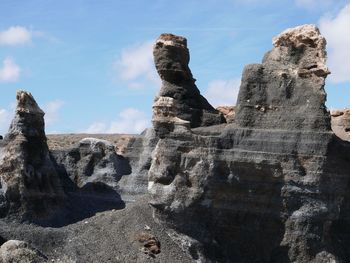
[
  {"x": 171, "y": 58},
  {"x": 30, "y": 185},
  {"x": 269, "y": 187}
]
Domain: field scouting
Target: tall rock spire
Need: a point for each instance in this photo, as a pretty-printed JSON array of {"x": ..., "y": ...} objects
[
  {"x": 30, "y": 186},
  {"x": 179, "y": 92}
]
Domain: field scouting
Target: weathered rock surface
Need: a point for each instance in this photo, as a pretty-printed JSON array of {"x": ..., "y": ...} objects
[
  {"x": 30, "y": 186},
  {"x": 15, "y": 251},
  {"x": 139, "y": 155},
  {"x": 341, "y": 123},
  {"x": 272, "y": 186},
  {"x": 93, "y": 161},
  {"x": 171, "y": 58}
]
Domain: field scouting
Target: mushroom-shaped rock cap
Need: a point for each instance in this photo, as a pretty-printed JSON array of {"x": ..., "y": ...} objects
[
  {"x": 171, "y": 58},
  {"x": 308, "y": 35}
]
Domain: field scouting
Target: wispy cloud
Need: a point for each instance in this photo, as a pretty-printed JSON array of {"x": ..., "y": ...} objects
[
  {"x": 130, "y": 120},
  {"x": 135, "y": 66},
  {"x": 15, "y": 35},
  {"x": 51, "y": 110},
  {"x": 9, "y": 71},
  {"x": 223, "y": 92},
  {"x": 5, "y": 120},
  {"x": 336, "y": 30}
]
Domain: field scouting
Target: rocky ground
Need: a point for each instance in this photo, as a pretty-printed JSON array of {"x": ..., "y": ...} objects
[{"x": 110, "y": 236}]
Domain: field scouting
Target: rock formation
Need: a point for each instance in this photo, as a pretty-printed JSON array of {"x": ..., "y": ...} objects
[
  {"x": 341, "y": 123},
  {"x": 171, "y": 58},
  {"x": 30, "y": 186},
  {"x": 269, "y": 184},
  {"x": 265, "y": 188}
]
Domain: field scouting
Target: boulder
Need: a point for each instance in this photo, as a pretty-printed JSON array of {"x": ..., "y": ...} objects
[
  {"x": 264, "y": 188},
  {"x": 15, "y": 251},
  {"x": 171, "y": 58},
  {"x": 30, "y": 186}
]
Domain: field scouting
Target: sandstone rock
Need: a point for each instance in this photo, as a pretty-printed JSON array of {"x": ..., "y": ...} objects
[
  {"x": 30, "y": 186},
  {"x": 265, "y": 188},
  {"x": 228, "y": 112},
  {"x": 14, "y": 251},
  {"x": 171, "y": 58},
  {"x": 341, "y": 123}
]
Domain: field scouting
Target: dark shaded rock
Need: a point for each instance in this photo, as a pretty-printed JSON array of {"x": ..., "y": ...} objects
[
  {"x": 171, "y": 58},
  {"x": 30, "y": 187},
  {"x": 1, "y": 138},
  {"x": 265, "y": 188}
]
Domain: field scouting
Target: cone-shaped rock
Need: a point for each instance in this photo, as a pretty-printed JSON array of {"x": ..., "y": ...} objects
[{"x": 30, "y": 187}]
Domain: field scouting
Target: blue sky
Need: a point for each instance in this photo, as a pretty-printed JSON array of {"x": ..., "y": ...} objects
[{"x": 89, "y": 63}]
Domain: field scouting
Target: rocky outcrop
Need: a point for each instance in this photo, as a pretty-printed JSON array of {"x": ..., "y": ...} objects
[
  {"x": 264, "y": 188},
  {"x": 341, "y": 123},
  {"x": 171, "y": 58},
  {"x": 20, "y": 252},
  {"x": 93, "y": 161},
  {"x": 30, "y": 185}
]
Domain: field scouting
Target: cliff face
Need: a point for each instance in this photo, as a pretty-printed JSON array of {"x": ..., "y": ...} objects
[{"x": 268, "y": 187}]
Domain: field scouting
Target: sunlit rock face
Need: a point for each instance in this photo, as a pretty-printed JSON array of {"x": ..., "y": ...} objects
[
  {"x": 270, "y": 187},
  {"x": 171, "y": 58},
  {"x": 30, "y": 187},
  {"x": 341, "y": 123}
]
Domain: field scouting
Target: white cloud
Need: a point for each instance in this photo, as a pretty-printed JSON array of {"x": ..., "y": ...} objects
[
  {"x": 130, "y": 120},
  {"x": 223, "y": 92},
  {"x": 336, "y": 31},
  {"x": 15, "y": 35},
  {"x": 51, "y": 110},
  {"x": 5, "y": 120},
  {"x": 135, "y": 66},
  {"x": 10, "y": 71}
]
